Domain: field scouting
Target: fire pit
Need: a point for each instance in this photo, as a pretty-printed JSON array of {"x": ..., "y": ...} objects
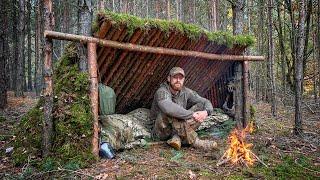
[{"x": 239, "y": 151}]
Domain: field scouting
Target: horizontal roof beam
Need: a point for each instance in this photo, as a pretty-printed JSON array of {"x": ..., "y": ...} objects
[{"x": 150, "y": 49}]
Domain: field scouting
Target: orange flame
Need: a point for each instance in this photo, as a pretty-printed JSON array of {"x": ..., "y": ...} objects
[{"x": 239, "y": 150}]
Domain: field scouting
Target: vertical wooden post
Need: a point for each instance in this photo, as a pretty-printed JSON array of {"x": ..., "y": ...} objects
[
  {"x": 92, "y": 66},
  {"x": 245, "y": 67},
  {"x": 48, "y": 85},
  {"x": 238, "y": 94}
]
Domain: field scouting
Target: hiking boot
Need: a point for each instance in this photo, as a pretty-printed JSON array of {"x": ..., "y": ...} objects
[
  {"x": 206, "y": 145},
  {"x": 175, "y": 142}
]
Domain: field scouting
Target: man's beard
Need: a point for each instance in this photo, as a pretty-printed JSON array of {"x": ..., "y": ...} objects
[{"x": 176, "y": 88}]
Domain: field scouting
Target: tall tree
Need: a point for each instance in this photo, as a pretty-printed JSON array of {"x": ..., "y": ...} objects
[
  {"x": 84, "y": 28},
  {"x": 318, "y": 43},
  {"x": 179, "y": 10},
  {"x": 299, "y": 67},
  {"x": 282, "y": 50},
  {"x": 237, "y": 24},
  {"x": 212, "y": 4},
  {"x": 20, "y": 65},
  {"x": 306, "y": 40},
  {"x": 3, "y": 53},
  {"x": 38, "y": 46},
  {"x": 29, "y": 51},
  {"x": 271, "y": 59},
  {"x": 65, "y": 21}
]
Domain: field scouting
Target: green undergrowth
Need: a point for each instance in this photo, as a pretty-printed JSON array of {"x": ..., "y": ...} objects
[
  {"x": 192, "y": 31},
  {"x": 72, "y": 121},
  {"x": 300, "y": 167},
  {"x": 2, "y": 119}
]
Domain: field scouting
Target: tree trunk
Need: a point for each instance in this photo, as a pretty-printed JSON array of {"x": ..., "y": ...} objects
[
  {"x": 282, "y": 49},
  {"x": 48, "y": 89},
  {"x": 157, "y": 9},
  {"x": 29, "y": 45},
  {"x": 271, "y": 59},
  {"x": 38, "y": 79},
  {"x": 318, "y": 44},
  {"x": 299, "y": 68},
  {"x": 168, "y": 10},
  {"x": 20, "y": 65},
  {"x": 147, "y": 7},
  {"x": 3, "y": 53},
  {"x": 57, "y": 8},
  {"x": 237, "y": 22},
  {"x": 179, "y": 10},
  {"x": 314, "y": 66},
  {"x": 84, "y": 28},
  {"x": 65, "y": 21},
  {"x": 213, "y": 15},
  {"x": 14, "y": 37},
  {"x": 306, "y": 41}
]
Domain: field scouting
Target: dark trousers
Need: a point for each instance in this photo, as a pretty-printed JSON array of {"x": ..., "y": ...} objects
[{"x": 165, "y": 127}]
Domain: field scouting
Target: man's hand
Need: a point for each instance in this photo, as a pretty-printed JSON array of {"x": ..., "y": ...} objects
[{"x": 200, "y": 116}]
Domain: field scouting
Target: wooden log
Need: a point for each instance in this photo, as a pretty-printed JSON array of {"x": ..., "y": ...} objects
[
  {"x": 157, "y": 50},
  {"x": 48, "y": 85},
  {"x": 92, "y": 66}
]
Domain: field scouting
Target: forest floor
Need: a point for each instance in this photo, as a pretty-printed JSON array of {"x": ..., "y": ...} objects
[{"x": 285, "y": 155}]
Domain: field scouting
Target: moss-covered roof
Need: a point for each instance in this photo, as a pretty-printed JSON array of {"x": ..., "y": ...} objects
[
  {"x": 135, "y": 76},
  {"x": 192, "y": 31}
]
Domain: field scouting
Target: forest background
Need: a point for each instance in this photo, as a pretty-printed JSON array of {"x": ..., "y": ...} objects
[{"x": 287, "y": 33}]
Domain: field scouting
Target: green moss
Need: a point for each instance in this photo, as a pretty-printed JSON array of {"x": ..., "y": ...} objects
[
  {"x": 192, "y": 31},
  {"x": 72, "y": 121},
  {"x": 289, "y": 168},
  {"x": 2, "y": 119},
  {"x": 28, "y": 136}
]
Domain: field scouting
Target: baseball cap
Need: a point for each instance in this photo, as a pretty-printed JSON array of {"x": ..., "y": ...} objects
[{"x": 176, "y": 70}]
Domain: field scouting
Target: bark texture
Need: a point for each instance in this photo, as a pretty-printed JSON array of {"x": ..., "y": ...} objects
[
  {"x": 3, "y": 54},
  {"x": 271, "y": 59},
  {"x": 299, "y": 67},
  {"x": 48, "y": 89},
  {"x": 20, "y": 50},
  {"x": 84, "y": 28},
  {"x": 240, "y": 104}
]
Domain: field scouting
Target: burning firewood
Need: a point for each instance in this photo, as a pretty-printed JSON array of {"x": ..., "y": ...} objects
[{"x": 239, "y": 151}]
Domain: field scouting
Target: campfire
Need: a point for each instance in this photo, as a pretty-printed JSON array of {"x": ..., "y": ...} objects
[{"x": 239, "y": 151}]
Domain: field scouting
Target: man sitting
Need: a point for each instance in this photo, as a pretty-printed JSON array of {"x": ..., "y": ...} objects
[{"x": 171, "y": 118}]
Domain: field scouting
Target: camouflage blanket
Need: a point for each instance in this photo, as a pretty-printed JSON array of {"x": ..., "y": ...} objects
[{"x": 124, "y": 131}]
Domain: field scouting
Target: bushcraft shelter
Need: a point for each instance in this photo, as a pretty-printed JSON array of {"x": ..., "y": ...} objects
[
  {"x": 133, "y": 56},
  {"x": 135, "y": 76}
]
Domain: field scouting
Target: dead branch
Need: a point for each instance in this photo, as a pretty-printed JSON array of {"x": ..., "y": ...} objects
[{"x": 259, "y": 159}]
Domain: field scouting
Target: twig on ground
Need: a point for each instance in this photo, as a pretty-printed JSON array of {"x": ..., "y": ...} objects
[
  {"x": 259, "y": 159},
  {"x": 293, "y": 152}
]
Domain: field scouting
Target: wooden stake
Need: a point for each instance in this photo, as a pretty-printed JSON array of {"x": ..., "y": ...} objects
[
  {"x": 48, "y": 89},
  {"x": 149, "y": 49},
  {"x": 92, "y": 66}
]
